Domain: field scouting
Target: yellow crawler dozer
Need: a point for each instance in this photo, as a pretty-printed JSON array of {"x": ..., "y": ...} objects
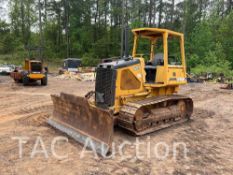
[{"x": 137, "y": 95}]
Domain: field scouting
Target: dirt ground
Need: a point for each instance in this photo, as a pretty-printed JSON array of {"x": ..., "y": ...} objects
[{"x": 24, "y": 110}]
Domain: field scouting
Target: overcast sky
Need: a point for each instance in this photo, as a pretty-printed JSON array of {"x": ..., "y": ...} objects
[{"x": 4, "y": 10}]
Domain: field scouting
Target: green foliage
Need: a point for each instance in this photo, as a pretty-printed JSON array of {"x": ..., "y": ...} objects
[
  {"x": 201, "y": 40},
  {"x": 89, "y": 60},
  {"x": 208, "y": 47},
  {"x": 213, "y": 61},
  {"x": 95, "y": 30},
  {"x": 224, "y": 35}
]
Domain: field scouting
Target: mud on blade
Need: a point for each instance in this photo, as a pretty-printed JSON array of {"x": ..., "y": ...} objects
[{"x": 74, "y": 116}]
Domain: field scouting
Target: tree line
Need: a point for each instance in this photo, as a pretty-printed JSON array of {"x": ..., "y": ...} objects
[{"x": 91, "y": 29}]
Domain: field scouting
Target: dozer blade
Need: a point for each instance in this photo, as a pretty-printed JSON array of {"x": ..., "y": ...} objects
[{"x": 74, "y": 116}]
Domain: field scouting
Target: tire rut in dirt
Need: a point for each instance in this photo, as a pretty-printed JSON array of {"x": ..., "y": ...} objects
[{"x": 29, "y": 110}]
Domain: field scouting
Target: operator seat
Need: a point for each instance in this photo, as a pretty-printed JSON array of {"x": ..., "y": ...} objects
[{"x": 151, "y": 67}]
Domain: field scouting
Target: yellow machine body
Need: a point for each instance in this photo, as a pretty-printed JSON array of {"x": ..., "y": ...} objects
[
  {"x": 132, "y": 93},
  {"x": 33, "y": 75},
  {"x": 32, "y": 71},
  {"x": 131, "y": 82}
]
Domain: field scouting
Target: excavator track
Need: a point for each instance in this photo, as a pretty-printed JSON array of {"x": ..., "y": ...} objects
[{"x": 154, "y": 113}]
